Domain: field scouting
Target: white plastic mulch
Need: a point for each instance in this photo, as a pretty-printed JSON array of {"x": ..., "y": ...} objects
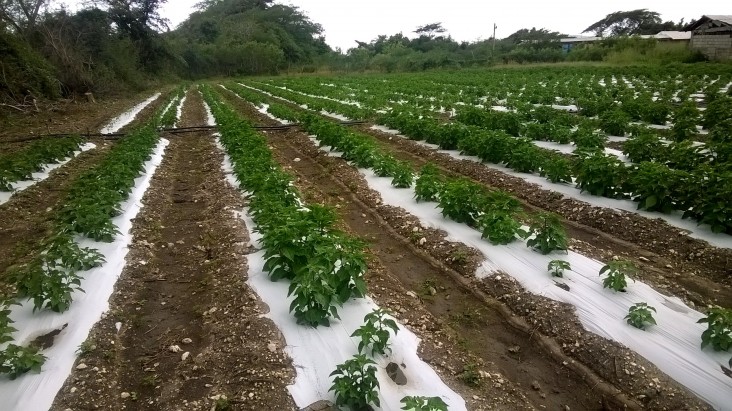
[
  {"x": 126, "y": 118},
  {"x": 673, "y": 345},
  {"x": 31, "y": 392},
  {"x": 702, "y": 232},
  {"x": 42, "y": 175},
  {"x": 316, "y": 352}
]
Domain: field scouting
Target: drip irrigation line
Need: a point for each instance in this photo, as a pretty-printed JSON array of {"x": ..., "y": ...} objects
[{"x": 175, "y": 130}]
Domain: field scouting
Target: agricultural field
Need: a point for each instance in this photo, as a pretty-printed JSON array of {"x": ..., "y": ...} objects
[{"x": 524, "y": 238}]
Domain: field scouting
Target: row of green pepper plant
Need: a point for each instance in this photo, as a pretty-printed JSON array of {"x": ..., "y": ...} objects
[
  {"x": 20, "y": 165},
  {"x": 494, "y": 213},
  {"x": 656, "y": 186},
  {"x": 51, "y": 277},
  {"x": 324, "y": 265}
]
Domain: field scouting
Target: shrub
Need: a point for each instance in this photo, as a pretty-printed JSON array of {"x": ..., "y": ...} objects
[
  {"x": 462, "y": 200},
  {"x": 428, "y": 184}
]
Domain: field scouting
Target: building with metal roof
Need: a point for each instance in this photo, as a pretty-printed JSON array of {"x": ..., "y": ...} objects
[
  {"x": 675, "y": 36},
  {"x": 712, "y": 35}
]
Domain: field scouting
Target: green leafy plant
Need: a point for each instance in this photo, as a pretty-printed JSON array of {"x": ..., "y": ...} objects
[
  {"x": 656, "y": 187},
  {"x": 548, "y": 234},
  {"x": 645, "y": 146},
  {"x": 601, "y": 175},
  {"x": 718, "y": 110},
  {"x": 402, "y": 175},
  {"x": 557, "y": 267},
  {"x": 375, "y": 332},
  {"x": 617, "y": 272},
  {"x": 6, "y": 330},
  {"x": 461, "y": 200},
  {"x": 556, "y": 169},
  {"x": 719, "y": 329},
  {"x": 48, "y": 285},
  {"x": 640, "y": 315},
  {"x": 423, "y": 404},
  {"x": 523, "y": 156},
  {"x": 586, "y": 138},
  {"x": 16, "y": 360},
  {"x": 685, "y": 119},
  {"x": 355, "y": 384},
  {"x": 428, "y": 184},
  {"x": 500, "y": 227},
  {"x": 470, "y": 375},
  {"x": 614, "y": 122}
]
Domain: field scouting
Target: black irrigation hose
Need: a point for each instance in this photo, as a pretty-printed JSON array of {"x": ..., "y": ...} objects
[{"x": 178, "y": 130}]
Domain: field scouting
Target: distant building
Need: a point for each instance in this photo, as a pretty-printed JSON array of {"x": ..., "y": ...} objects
[
  {"x": 569, "y": 42},
  {"x": 672, "y": 36},
  {"x": 712, "y": 35}
]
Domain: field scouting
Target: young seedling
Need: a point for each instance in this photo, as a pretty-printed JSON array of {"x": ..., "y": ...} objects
[
  {"x": 639, "y": 315},
  {"x": 470, "y": 375},
  {"x": 16, "y": 360},
  {"x": 5, "y": 328},
  {"x": 719, "y": 329},
  {"x": 617, "y": 272},
  {"x": 424, "y": 404},
  {"x": 549, "y": 235},
  {"x": 557, "y": 267},
  {"x": 375, "y": 332},
  {"x": 355, "y": 384}
]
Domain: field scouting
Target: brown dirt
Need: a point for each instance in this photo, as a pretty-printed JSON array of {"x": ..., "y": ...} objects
[
  {"x": 73, "y": 116},
  {"x": 668, "y": 258},
  {"x": 470, "y": 309},
  {"x": 27, "y": 218},
  {"x": 184, "y": 279}
]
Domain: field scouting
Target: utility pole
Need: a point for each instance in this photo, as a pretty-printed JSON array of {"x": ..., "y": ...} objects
[{"x": 494, "y": 40}]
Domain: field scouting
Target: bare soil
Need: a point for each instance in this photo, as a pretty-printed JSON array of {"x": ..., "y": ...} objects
[
  {"x": 669, "y": 259},
  {"x": 185, "y": 332},
  {"x": 192, "y": 331},
  {"x": 27, "y": 218},
  {"x": 68, "y": 116},
  {"x": 527, "y": 339}
]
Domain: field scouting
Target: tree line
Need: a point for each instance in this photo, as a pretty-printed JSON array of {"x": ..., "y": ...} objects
[{"x": 111, "y": 46}]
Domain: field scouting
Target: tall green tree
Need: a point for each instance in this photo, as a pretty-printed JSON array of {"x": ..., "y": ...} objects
[
  {"x": 21, "y": 15},
  {"x": 628, "y": 23}
]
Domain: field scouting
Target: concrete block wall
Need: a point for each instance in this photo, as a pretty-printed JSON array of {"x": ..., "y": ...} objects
[{"x": 718, "y": 47}]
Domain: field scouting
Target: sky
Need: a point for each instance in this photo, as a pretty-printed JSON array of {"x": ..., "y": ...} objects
[{"x": 345, "y": 21}]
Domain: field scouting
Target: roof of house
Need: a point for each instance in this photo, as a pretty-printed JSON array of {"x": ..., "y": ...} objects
[
  {"x": 673, "y": 35},
  {"x": 719, "y": 19},
  {"x": 663, "y": 35},
  {"x": 579, "y": 39}
]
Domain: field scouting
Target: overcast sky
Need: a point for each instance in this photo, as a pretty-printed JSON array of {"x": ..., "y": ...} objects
[{"x": 345, "y": 21}]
